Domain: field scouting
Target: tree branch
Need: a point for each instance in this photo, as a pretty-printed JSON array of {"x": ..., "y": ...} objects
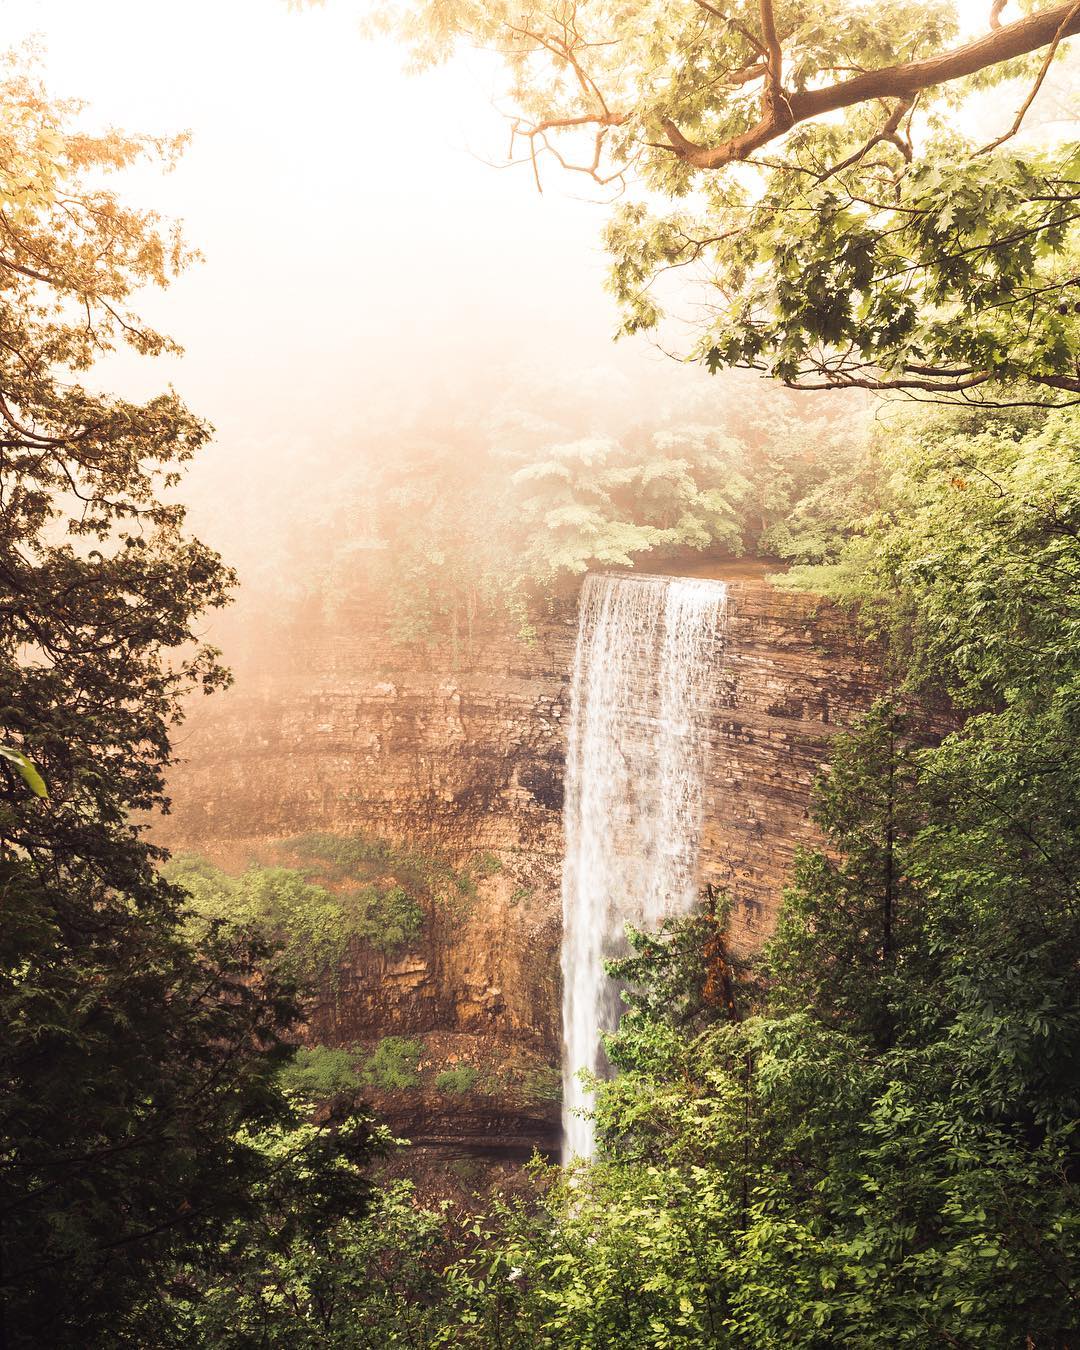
[
  {"x": 889, "y": 132},
  {"x": 774, "y": 59},
  {"x": 751, "y": 38},
  {"x": 1072, "y": 14},
  {"x": 782, "y": 112},
  {"x": 747, "y": 74}
]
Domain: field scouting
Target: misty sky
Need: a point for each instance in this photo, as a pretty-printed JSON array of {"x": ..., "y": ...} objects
[
  {"x": 349, "y": 227},
  {"x": 360, "y": 256}
]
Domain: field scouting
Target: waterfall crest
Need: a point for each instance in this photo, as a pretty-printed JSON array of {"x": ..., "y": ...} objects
[{"x": 645, "y": 668}]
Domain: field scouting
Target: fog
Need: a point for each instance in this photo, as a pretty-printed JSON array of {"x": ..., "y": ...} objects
[
  {"x": 361, "y": 260},
  {"x": 367, "y": 271}
]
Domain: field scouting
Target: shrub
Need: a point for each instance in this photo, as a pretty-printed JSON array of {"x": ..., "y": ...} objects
[
  {"x": 279, "y": 903},
  {"x": 543, "y": 1084},
  {"x": 394, "y": 1063},
  {"x": 459, "y": 1079},
  {"x": 391, "y": 918},
  {"x": 366, "y": 859},
  {"x": 318, "y": 1073},
  {"x": 313, "y": 925}
]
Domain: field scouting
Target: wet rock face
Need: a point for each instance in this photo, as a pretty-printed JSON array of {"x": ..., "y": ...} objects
[{"x": 351, "y": 735}]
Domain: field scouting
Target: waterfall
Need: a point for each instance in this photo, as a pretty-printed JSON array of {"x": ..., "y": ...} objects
[{"x": 645, "y": 666}]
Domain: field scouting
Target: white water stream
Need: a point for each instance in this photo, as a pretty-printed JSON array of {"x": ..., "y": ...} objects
[{"x": 645, "y": 673}]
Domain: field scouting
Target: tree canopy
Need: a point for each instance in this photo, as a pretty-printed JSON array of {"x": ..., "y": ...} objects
[{"x": 831, "y": 220}]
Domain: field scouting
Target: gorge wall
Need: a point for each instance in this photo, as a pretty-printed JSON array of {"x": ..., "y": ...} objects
[{"x": 350, "y": 734}]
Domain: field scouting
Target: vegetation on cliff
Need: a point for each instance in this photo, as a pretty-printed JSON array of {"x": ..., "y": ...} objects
[{"x": 312, "y": 926}]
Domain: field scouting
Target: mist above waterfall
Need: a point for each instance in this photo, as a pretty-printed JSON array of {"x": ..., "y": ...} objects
[{"x": 645, "y": 670}]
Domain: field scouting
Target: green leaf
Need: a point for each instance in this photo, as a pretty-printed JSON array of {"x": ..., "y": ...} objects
[{"x": 27, "y": 768}]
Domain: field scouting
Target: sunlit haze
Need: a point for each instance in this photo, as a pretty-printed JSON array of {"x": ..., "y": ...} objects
[{"x": 360, "y": 255}]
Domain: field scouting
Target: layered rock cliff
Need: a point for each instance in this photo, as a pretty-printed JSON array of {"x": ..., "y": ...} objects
[{"x": 352, "y": 734}]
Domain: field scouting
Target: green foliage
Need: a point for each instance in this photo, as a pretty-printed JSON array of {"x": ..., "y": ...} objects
[
  {"x": 362, "y": 859},
  {"x": 954, "y": 284},
  {"x": 545, "y": 498},
  {"x": 535, "y": 509},
  {"x": 314, "y": 926},
  {"x": 135, "y": 1060},
  {"x": 297, "y": 1268},
  {"x": 542, "y": 1084},
  {"x": 318, "y": 1073},
  {"x": 852, "y": 925},
  {"x": 459, "y": 1079},
  {"x": 394, "y": 920},
  {"x": 394, "y": 1064},
  {"x": 619, "y": 1257},
  {"x": 487, "y": 865},
  {"x": 599, "y": 503},
  {"x": 26, "y": 769},
  {"x": 873, "y": 247},
  {"x": 869, "y": 1138}
]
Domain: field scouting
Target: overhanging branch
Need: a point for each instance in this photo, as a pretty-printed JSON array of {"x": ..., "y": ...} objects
[{"x": 781, "y": 110}]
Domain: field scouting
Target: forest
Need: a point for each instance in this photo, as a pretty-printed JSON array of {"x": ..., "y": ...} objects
[{"x": 847, "y": 239}]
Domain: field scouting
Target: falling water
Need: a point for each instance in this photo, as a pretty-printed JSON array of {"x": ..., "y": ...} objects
[{"x": 644, "y": 669}]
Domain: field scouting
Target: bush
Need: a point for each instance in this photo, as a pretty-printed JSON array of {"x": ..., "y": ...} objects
[
  {"x": 318, "y": 1073},
  {"x": 394, "y": 1063},
  {"x": 543, "y": 1084},
  {"x": 277, "y": 902},
  {"x": 391, "y": 918},
  {"x": 366, "y": 859},
  {"x": 459, "y": 1079},
  {"x": 313, "y": 925}
]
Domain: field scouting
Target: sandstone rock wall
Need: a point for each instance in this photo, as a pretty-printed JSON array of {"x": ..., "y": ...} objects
[{"x": 351, "y": 734}]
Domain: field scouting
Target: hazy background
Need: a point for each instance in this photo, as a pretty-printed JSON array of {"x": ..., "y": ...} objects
[
  {"x": 364, "y": 269},
  {"x": 360, "y": 259}
]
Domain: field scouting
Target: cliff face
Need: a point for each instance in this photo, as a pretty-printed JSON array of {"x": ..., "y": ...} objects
[
  {"x": 362, "y": 737},
  {"x": 796, "y": 672}
]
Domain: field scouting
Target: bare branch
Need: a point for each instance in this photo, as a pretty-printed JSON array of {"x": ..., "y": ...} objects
[{"x": 1051, "y": 50}]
